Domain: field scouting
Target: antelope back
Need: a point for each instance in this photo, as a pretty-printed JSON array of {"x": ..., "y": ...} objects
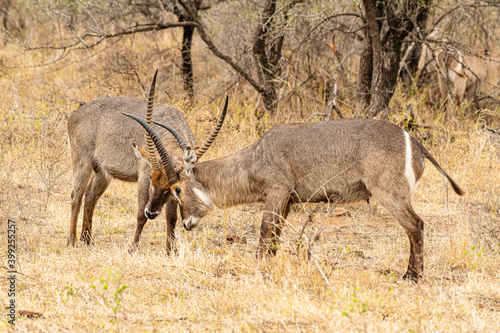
[{"x": 100, "y": 135}]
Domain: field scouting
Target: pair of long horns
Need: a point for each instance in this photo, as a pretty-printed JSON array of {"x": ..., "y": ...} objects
[
  {"x": 155, "y": 139},
  {"x": 165, "y": 158},
  {"x": 184, "y": 145},
  {"x": 149, "y": 119}
]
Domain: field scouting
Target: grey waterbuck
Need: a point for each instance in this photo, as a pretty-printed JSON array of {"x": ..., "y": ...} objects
[
  {"x": 104, "y": 146},
  {"x": 339, "y": 161}
]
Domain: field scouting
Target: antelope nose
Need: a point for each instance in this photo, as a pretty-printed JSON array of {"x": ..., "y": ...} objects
[{"x": 150, "y": 215}]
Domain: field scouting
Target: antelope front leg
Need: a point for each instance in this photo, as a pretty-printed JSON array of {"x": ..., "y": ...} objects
[
  {"x": 143, "y": 197},
  {"x": 171, "y": 216},
  {"x": 271, "y": 226}
]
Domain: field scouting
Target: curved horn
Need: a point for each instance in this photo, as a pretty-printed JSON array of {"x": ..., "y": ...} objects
[
  {"x": 215, "y": 131},
  {"x": 182, "y": 143},
  {"x": 149, "y": 119},
  {"x": 189, "y": 157},
  {"x": 179, "y": 168},
  {"x": 165, "y": 158}
]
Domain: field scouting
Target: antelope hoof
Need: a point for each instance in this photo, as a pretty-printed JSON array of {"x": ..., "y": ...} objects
[
  {"x": 150, "y": 215},
  {"x": 86, "y": 238},
  {"x": 171, "y": 250},
  {"x": 132, "y": 246},
  {"x": 190, "y": 223},
  {"x": 411, "y": 276},
  {"x": 71, "y": 241},
  {"x": 263, "y": 252}
]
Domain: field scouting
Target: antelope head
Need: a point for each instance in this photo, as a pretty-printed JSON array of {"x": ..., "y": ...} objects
[
  {"x": 158, "y": 176},
  {"x": 159, "y": 184},
  {"x": 181, "y": 181},
  {"x": 192, "y": 197}
]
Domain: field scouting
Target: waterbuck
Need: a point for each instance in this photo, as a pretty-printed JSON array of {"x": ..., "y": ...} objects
[
  {"x": 104, "y": 145},
  {"x": 339, "y": 161},
  {"x": 463, "y": 73}
]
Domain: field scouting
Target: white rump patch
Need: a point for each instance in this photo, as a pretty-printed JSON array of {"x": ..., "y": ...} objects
[
  {"x": 203, "y": 197},
  {"x": 410, "y": 175}
]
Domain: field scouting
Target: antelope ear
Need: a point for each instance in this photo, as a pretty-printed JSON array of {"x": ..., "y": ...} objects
[
  {"x": 141, "y": 154},
  {"x": 441, "y": 60},
  {"x": 189, "y": 159}
]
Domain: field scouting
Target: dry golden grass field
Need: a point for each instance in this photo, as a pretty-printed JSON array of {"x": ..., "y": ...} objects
[{"x": 350, "y": 282}]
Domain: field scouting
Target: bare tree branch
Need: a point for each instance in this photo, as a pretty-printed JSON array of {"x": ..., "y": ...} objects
[{"x": 219, "y": 54}]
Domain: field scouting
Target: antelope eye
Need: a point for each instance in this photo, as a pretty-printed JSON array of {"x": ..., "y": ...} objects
[
  {"x": 177, "y": 190},
  {"x": 150, "y": 177}
]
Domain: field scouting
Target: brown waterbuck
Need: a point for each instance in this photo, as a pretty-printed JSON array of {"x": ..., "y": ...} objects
[
  {"x": 104, "y": 146},
  {"x": 339, "y": 161},
  {"x": 463, "y": 72}
]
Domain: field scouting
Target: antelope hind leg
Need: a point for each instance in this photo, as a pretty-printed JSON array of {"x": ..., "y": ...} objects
[
  {"x": 99, "y": 183},
  {"x": 81, "y": 175}
]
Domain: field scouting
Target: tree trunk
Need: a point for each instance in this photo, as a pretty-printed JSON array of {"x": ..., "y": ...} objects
[
  {"x": 416, "y": 53},
  {"x": 386, "y": 76},
  {"x": 376, "y": 89},
  {"x": 266, "y": 50},
  {"x": 5, "y": 13},
  {"x": 187, "y": 65},
  {"x": 270, "y": 98},
  {"x": 365, "y": 76},
  {"x": 265, "y": 70}
]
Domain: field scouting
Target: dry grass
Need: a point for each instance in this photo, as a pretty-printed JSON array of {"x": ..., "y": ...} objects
[{"x": 351, "y": 283}]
